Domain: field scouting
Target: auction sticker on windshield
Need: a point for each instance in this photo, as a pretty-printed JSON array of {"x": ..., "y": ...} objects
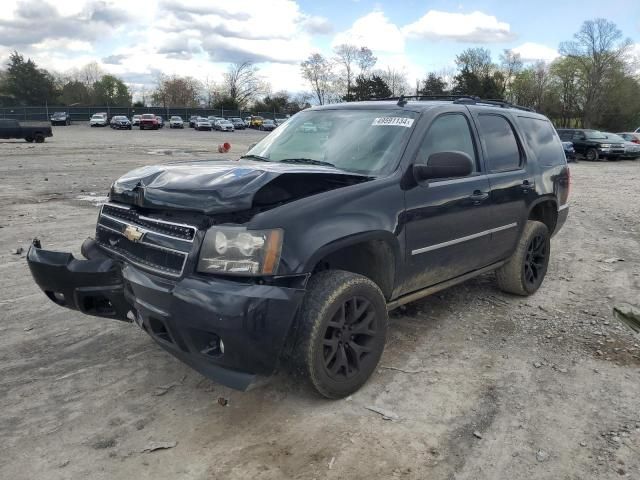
[{"x": 393, "y": 122}]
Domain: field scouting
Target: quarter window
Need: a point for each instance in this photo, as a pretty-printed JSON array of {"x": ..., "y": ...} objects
[
  {"x": 541, "y": 138},
  {"x": 500, "y": 144},
  {"x": 449, "y": 132}
]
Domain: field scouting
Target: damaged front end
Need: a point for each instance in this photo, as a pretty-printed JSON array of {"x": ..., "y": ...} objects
[{"x": 144, "y": 266}]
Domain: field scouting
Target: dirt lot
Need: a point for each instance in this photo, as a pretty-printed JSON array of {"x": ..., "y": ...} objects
[{"x": 478, "y": 384}]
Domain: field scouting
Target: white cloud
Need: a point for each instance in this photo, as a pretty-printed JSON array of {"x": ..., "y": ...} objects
[
  {"x": 531, "y": 52},
  {"x": 475, "y": 27},
  {"x": 374, "y": 31}
]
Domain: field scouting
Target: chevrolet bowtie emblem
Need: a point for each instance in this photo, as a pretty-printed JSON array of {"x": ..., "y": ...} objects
[{"x": 132, "y": 233}]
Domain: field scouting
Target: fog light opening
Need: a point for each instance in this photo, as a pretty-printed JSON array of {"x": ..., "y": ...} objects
[{"x": 214, "y": 348}]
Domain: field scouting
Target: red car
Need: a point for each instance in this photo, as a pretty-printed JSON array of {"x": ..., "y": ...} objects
[{"x": 149, "y": 120}]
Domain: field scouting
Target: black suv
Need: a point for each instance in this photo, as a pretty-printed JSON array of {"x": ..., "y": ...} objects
[
  {"x": 592, "y": 144},
  {"x": 293, "y": 254}
]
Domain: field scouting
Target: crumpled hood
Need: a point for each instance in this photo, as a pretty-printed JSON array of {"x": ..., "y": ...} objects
[{"x": 211, "y": 186}]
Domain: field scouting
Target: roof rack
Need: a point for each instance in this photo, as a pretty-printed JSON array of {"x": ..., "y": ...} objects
[{"x": 458, "y": 99}]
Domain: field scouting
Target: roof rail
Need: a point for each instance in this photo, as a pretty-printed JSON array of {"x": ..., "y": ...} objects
[{"x": 458, "y": 99}]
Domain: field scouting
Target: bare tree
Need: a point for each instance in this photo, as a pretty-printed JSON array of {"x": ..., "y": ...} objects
[
  {"x": 89, "y": 74},
  {"x": 366, "y": 61},
  {"x": 317, "y": 70},
  {"x": 598, "y": 48},
  {"x": 346, "y": 57},
  {"x": 241, "y": 83},
  {"x": 511, "y": 64},
  {"x": 396, "y": 80},
  {"x": 177, "y": 91}
]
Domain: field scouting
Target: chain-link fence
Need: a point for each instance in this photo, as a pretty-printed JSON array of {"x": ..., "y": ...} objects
[{"x": 83, "y": 114}]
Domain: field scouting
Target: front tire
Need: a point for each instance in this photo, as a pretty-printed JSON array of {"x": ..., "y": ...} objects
[
  {"x": 342, "y": 332},
  {"x": 592, "y": 155},
  {"x": 29, "y": 139},
  {"x": 524, "y": 272}
]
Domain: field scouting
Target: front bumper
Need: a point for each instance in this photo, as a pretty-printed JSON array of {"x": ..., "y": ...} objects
[{"x": 189, "y": 317}]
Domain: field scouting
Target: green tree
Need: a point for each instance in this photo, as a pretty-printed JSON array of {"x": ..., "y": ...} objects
[
  {"x": 74, "y": 92},
  {"x": 433, "y": 85},
  {"x": 112, "y": 91},
  {"x": 27, "y": 84},
  {"x": 598, "y": 48},
  {"x": 367, "y": 88}
]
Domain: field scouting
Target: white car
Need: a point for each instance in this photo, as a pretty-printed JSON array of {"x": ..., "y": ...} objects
[
  {"x": 203, "y": 124},
  {"x": 98, "y": 120},
  {"x": 223, "y": 125},
  {"x": 176, "y": 122}
]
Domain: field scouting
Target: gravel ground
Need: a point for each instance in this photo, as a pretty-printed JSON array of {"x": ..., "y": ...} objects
[{"x": 474, "y": 384}]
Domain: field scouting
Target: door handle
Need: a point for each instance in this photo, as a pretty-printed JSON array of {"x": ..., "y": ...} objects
[{"x": 478, "y": 197}]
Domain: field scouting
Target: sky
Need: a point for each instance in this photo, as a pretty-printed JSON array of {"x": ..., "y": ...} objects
[{"x": 137, "y": 39}]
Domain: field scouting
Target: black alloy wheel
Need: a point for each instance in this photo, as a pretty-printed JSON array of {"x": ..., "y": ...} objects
[
  {"x": 535, "y": 263},
  {"x": 347, "y": 338}
]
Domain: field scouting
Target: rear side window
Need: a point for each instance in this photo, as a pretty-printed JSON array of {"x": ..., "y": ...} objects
[
  {"x": 449, "y": 132},
  {"x": 499, "y": 140},
  {"x": 565, "y": 136},
  {"x": 540, "y": 137}
]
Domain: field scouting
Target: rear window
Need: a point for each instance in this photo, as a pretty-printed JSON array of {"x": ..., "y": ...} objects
[{"x": 541, "y": 138}]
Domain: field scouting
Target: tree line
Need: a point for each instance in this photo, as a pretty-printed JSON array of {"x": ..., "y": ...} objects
[{"x": 594, "y": 83}]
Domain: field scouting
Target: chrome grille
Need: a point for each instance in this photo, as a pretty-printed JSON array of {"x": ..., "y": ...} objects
[{"x": 158, "y": 246}]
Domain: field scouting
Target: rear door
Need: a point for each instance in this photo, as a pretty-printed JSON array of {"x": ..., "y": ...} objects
[
  {"x": 510, "y": 183},
  {"x": 446, "y": 219}
]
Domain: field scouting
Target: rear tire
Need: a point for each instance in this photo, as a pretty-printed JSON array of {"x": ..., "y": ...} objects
[
  {"x": 524, "y": 272},
  {"x": 341, "y": 332}
]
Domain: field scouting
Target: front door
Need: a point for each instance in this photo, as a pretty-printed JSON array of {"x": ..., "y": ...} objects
[{"x": 446, "y": 220}]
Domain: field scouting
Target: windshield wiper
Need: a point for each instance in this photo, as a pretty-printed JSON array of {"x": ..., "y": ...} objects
[
  {"x": 256, "y": 157},
  {"x": 307, "y": 161}
]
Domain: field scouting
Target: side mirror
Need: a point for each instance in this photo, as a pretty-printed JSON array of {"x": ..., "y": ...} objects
[{"x": 444, "y": 165}]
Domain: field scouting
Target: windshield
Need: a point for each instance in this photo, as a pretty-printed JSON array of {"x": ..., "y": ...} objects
[
  {"x": 362, "y": 141},
  {"x": 615, "y": 138},
  {"x": 595, "y": 135},
  {"x": 176, "y": 118}
]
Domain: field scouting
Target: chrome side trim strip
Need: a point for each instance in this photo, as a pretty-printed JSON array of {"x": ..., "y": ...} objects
[
  {"x": 462, "y": 239},
  {"x": 563, "y": 207}
]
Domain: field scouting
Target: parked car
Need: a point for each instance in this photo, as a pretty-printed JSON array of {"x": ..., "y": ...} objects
[
  {"x": 295, "y": 253},
  {"x": 238, "y": 123},
  {"x": 203, "y": 124},
  {"x": 223, "y": 125},
  {"x": 34, "y": 131},
  {"x": 593, "y": 145},
  {"x": 631, "y": 150},
  {"x": 630, "y": 136},
  {"x": 176, "y": 122},
  {"x": 98, "y": 120},
  {"x": 267, "y": 125},
  {"x": 280, "y": 121},
  {"x": 120, "y": 122},
  {"x": 192, "y": 121},
  {"x": 247, "y": 122},
  {"x": 148, "y": 121},
  {"x": 60, "y": 118},
  {"x": 160, "y": 121},
  {"x": 135, "y": 120},
  {"x": 569, "y": 151}
]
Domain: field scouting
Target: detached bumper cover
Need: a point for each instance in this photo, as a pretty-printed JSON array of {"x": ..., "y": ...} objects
[{"x": 228, "y": 331}]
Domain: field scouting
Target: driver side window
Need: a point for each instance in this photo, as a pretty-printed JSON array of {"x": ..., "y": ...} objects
[{"x": 449, "y": 132}]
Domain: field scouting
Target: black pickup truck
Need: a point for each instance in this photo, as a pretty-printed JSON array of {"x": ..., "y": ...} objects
[
  {"x": 29, "y": 131},
  {"x": 293, "y": 254}
]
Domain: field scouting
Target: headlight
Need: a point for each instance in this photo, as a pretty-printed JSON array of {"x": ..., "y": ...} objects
[
  {"x": 605, "y": 145},
  {"x": 238, "y": 251}
]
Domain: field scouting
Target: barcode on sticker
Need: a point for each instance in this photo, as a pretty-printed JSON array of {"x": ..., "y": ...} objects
[{"x": 393, "y": 122}]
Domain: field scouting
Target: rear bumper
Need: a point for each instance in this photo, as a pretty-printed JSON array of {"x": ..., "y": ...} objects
[{"x": 228, "y": 331}]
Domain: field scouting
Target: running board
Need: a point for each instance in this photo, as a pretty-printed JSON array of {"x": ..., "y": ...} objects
[{"x": 425, "y": 292}]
